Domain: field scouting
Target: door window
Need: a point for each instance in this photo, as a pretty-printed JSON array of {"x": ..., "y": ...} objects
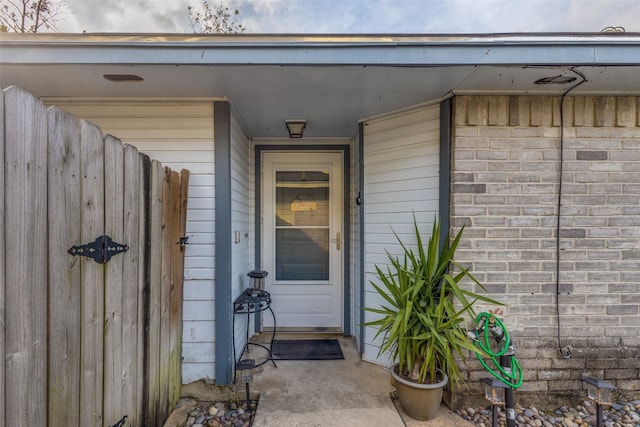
[{"x": 302, "y": 225}]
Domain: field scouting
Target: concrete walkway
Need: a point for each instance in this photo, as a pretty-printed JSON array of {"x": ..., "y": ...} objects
[{"x": 332, "y": 393}]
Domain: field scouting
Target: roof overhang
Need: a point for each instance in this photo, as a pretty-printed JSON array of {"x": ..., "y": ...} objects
[{"x": 333, "y": 80}]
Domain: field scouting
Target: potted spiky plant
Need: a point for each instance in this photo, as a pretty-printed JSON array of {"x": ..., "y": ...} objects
[{"x": 423, "y": 319}]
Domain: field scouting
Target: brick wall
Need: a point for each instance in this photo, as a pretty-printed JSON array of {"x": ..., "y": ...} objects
[{"x": 505, "y": 186}]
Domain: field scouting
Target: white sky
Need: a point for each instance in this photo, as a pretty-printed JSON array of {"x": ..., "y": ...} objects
[{"x": 360, "y": 16}]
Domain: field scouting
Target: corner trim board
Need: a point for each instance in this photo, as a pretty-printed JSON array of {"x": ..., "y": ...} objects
[{"x": 223, "y": 303}]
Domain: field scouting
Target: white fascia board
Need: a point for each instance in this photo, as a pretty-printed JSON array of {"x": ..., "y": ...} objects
[{"x": 570, "y": 50}]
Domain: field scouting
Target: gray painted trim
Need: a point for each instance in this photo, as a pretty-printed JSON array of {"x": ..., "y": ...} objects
[
  {"x": 346, "y": 220},
  {"x": 362, "y": 231},
  {"x": 223, "y": 303},
  {"x": 445, "y": 168},
  {"x": 274, "y": 40},
  {"x": 482, "y": 49},
  {"x": 257, "y": 215}
]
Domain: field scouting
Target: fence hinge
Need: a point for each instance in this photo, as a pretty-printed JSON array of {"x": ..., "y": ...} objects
[
  {"x": 121, "y": 422},
  {"x": 100, "y": 250}
]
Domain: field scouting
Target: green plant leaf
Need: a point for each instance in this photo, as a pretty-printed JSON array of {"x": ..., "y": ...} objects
[{"x": 422, "y": 321}]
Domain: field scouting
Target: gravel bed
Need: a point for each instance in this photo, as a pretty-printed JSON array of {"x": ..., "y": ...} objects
[
  {"x": 235, "y": 414},
  {"x": 618, "y": 415},
  {"x": 221, "y": 414}
]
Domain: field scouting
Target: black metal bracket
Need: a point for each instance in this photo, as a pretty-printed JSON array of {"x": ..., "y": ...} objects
[
  {"x": 100, "y": 250},
  {"x": 121, "y": 422}
]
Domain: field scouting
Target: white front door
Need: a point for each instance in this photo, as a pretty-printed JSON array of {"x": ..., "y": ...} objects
[{"x": 302, "y": 238}]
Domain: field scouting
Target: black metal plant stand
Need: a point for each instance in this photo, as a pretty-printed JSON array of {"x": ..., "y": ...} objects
[{"x": 252, "y": 301}]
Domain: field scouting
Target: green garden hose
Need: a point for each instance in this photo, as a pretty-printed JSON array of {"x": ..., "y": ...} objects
[{"x": 512, "y": 379}]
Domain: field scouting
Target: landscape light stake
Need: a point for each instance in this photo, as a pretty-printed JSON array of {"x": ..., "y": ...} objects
[
  {"x": 600, "y": 392},
  {"x": 494, "y": 392},
  {"x": 245, "y": 372}
]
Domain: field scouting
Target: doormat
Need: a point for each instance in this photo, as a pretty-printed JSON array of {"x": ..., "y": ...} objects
[{"x": 306, "y": 350}]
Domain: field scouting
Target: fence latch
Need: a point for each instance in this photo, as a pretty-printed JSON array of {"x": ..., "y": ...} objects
[{"x": 100, "y": 250}]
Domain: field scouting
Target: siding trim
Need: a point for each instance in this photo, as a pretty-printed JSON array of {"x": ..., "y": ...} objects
[
  {"x": 346, "y": 225},
  {"x": 346, "y": 150},
  {"x": 445, "y": 168},
  {"x": 361, "y": 249},
  {"x": 223, "y": 303}
]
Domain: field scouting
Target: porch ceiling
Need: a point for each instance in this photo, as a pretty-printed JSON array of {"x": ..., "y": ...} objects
[{"x": 331, "y": 89}]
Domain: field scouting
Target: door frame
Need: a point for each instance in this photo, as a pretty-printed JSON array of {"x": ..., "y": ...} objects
[{"x": 346, "y": 254}]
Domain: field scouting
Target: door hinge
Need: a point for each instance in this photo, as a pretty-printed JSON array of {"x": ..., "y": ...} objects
[{"x": 100, "y": 250}]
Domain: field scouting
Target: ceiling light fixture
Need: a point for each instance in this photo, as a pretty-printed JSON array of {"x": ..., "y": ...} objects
[
  {"x": 122, "y": 78},
  {"x": 295, "y": 127}
]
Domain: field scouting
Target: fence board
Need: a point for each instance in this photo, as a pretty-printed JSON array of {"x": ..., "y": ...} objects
[
  {"x": 114, "y": 228},
  {"x": 130, "y": 363},
  {"x": 85, "y": 343},
  {"x": 92, "y": 273},
  {"x": 64, "y": 270},
  {"x": 175, "y": 290},
  {"x": 144, "y": 278},
  {"x": 165, "y": 292},
  {"x": 176, "y": 376},
  {"x": 26, "y": 263},
  {"x": 155, "y": 283},
  {"x": 2, "y": 252}
]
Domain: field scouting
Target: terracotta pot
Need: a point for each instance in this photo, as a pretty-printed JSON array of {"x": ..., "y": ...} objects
[{"x": 419, "y": 401}]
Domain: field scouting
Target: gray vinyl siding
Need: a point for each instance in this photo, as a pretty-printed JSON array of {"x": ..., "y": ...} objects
[
  {"x": 180, "y": 135},
  {"x": 401, "y": 178}
]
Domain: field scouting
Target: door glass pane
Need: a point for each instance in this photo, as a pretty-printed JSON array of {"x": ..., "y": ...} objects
[
  {"x": 302, "y": 225},
  {"x": 302, "y": 254},
  {"x": 302, "y": 198}
]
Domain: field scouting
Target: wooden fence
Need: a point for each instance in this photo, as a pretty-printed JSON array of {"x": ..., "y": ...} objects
[{"x": 85, "y": 342}]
